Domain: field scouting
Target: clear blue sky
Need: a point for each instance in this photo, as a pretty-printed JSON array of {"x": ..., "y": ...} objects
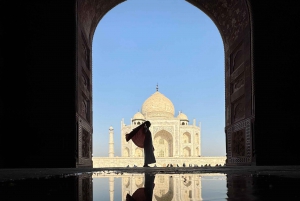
[{"x": 141, "y": 43}]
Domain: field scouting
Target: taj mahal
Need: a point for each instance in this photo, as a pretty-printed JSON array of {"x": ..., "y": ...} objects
[{"x": 177, "y": 142}]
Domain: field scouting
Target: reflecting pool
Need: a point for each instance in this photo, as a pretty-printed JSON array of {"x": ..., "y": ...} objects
[{"x": 121, "y": 186}]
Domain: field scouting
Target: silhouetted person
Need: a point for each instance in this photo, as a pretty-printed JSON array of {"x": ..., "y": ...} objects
[
  {"x": 146, "y": 193},
  {"x": 142, "y": 137}
]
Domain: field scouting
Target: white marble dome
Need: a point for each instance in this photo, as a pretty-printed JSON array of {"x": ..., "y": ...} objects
[
  {"x": 138, "y": 115},
  {"x": 158, "y": 106},
  {"x": 182, "y": 116}
]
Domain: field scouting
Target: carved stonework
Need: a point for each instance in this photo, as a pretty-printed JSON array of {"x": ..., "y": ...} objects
[
  {"x": 238, "y": 110},
  {"x": 85, "y": 82},
  {"x": 237, "y": 84},
  {"x": 228, "y": 116},
  {"x": 169, "y": 129},
  {"x": 236, "y": 134},
  {"x": 90, "y": 13},
  {"x": 86, "y": 51},
  {"x": 238, "y": 143},
  {"x": 85, "y": 108},
  {"x": 230, "y": 16},
  {"x": 86, "y": 143},
  {"x": 236, "y": 60}
]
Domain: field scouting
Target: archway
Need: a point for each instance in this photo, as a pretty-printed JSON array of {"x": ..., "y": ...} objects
[
  {"x": 186, "y": 151},
  {"x": 139, "y": 152},
  {"x": 50, "y": 95},
  {"x": 163, "y": 143},
  {"x": 186, "y": 137},
  {"x": 234, "y": 24}
]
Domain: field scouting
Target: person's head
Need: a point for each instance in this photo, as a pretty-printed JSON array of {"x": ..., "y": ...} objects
[{"x": 147, "y": 123}]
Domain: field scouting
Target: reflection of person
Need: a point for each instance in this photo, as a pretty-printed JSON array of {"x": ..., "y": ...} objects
[
  {"x": 146, "y": 193},
  {"x": 142, "y": 137}
]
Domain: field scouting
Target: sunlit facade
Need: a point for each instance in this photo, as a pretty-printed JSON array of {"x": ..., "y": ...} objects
[{"x": 173, "y": 136}]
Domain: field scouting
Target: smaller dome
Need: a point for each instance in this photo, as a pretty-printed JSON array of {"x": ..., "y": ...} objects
[
  {"x": 138, "y": 115},
  {"x": 111, "y": 128},
  {"x": 182, "y": 116}
]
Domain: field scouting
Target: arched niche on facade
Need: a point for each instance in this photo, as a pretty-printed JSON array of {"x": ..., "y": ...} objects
[
  {"x": 163, "y": 144},
  {"x": 126, "y": 152},
  {"x": 233, "y": 21},
  {"x": 139, "y": 152},
  {"x": 186, "y": 137},
  {"x": 186, "y": 151}
]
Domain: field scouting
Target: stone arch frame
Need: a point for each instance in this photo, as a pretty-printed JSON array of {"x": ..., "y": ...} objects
[
  {"x": 233, "y": 20},
  {"x": 139, "y": 151},
  {"x": 188, "y": 136},
  {"x": 189, "y": 150},
  {"x": 165, "y": 135}
]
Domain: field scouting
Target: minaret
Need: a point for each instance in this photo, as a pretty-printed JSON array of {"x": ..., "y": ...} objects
[{"x": 111, "y": 141}]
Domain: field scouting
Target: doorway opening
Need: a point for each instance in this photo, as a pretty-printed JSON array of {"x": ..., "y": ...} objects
[{"x": 178, "y": 50}]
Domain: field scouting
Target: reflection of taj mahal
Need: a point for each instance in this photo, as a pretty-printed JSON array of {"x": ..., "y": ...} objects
[
  {"x": 168, "y": 187},
  {"x": 174, "y": 139}
]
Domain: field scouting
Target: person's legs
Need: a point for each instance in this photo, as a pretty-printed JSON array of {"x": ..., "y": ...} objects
[{"x": 145, "y": 157}]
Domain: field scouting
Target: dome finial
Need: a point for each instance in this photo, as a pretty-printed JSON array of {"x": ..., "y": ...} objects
[{"x": 157, "y": 87}]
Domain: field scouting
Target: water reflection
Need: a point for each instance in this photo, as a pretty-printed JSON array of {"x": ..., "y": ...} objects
[
  {"x": 166, "y": 187},
  {"x": 76, "y": 187},
  {"x": 143, "y": 193},
  {"x": 116, "y": 186}
]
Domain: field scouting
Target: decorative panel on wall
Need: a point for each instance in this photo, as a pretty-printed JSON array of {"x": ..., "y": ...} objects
[
  {"x": 84, "y": 143},
  {"x": 86, "y": 53},
  {"x": 239, "y": 147}
]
